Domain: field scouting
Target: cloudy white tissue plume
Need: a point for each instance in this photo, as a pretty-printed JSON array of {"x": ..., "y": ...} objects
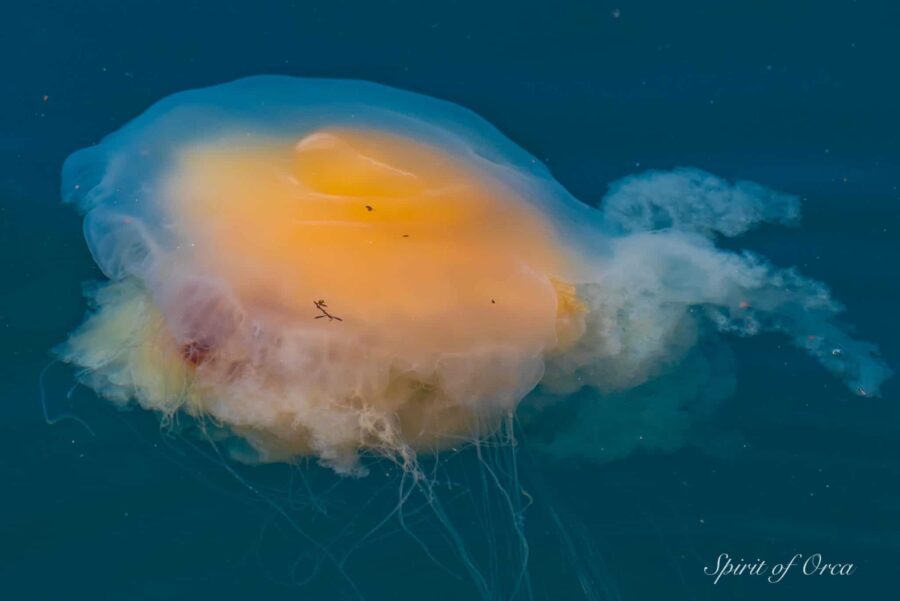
[
  {"x": 666, "y": 286},
  {"x": 691, "y": 200}
]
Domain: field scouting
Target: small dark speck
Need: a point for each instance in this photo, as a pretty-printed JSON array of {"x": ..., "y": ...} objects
[
  {"x": 369, "y": 208},
  {"x": 406, "y": 235},
  {"x": 493, "y": 302}
]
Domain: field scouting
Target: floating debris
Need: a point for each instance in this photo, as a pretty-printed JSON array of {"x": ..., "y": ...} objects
[{"x": 323, "y": 307}]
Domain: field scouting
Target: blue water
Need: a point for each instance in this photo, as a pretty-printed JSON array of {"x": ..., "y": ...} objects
[{"x": 799, "y": 96}]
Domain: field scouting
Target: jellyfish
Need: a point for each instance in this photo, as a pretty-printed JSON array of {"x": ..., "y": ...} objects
[{"x": 335, "y": 269}]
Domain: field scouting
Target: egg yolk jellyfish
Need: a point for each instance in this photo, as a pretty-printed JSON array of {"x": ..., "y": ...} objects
[{"x": 340, "y": 270}]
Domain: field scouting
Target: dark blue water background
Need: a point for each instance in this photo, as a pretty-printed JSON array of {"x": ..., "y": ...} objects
[{"x": 799, "y": 96}]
